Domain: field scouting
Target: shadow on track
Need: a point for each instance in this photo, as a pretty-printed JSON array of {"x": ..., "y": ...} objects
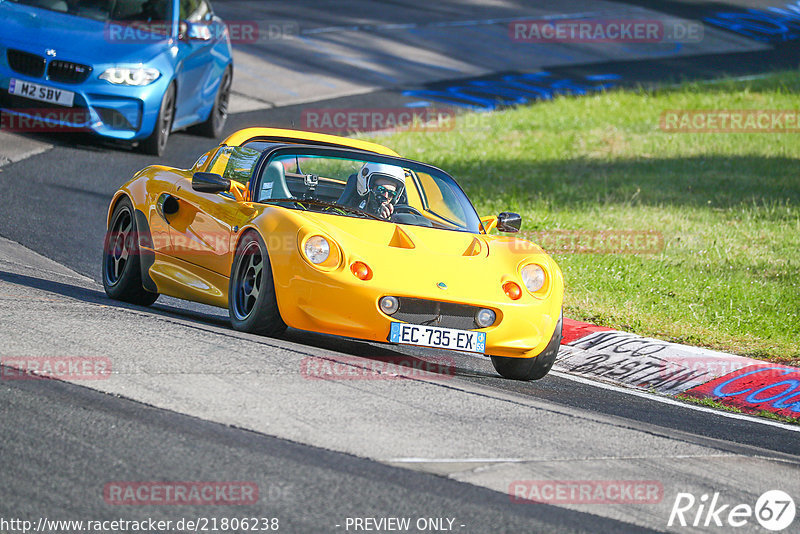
[{"x": 347, "y": 346}]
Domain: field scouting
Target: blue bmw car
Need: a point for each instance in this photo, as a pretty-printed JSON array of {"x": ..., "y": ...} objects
[{"x": 133, "y": 70}]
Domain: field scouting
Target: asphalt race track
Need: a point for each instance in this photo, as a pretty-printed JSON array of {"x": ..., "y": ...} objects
[{"x": 190, "y": 399}]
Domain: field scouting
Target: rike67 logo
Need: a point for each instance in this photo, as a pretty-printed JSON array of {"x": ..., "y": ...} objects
[{"x": 774, "y": 510}]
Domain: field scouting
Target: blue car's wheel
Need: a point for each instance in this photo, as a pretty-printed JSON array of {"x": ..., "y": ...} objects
[
  {"x": 531, "y": 368},
  {"x": 157, "y": 141},
  {"x": 122, "y": 277},
  {"x": 251, "y": 292}
]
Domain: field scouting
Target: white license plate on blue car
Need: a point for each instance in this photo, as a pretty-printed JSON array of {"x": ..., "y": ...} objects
[
  {"x": 40, "y": 92},
  {"x": 436, "y": 336}
]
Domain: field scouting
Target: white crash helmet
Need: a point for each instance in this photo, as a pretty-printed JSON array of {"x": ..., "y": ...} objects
[{"x": 371, "y": 171}]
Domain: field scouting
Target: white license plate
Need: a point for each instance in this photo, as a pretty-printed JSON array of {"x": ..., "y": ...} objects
[
  {"x": 435, "y": 336},
  {"x": 42, "y": 93}
]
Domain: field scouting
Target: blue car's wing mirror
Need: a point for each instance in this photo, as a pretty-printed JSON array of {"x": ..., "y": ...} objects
[{"x": 194, "y": 31}]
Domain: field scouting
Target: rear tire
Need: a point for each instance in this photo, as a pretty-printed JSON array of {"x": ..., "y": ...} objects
[
  {"x": 215, "y": 123},
  {"x": 531, "y": 368},
  {"x": 122, "y": 275},
  {"x": 156, "y": 143},
  {"x": 252, "y": 304}
]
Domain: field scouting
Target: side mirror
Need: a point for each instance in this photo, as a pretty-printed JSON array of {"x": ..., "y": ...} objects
[
  {"x": 208, "y": 182},
  {"x": 194, "y": 31},
  {"x": 509, "y": 222}
]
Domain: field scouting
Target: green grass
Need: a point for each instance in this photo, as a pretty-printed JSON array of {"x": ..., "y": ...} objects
[
  {"x": 728, "y": 206},
  {"x": 712, "y": 403}
]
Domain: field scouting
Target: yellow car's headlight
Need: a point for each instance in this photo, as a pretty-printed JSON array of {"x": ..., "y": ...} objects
[
  {"x": 317, "y": 249},
  {"x": 533, "y": 277}
]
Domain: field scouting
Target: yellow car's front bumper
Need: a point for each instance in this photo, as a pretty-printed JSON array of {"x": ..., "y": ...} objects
[{"x": 337, "y": 302}]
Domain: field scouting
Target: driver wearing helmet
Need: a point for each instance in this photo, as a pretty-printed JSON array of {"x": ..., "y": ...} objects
[{"x": 380, "y": 187}]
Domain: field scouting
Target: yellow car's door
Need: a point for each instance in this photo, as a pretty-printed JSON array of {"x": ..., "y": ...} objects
[{"x": 202, "y": 229}]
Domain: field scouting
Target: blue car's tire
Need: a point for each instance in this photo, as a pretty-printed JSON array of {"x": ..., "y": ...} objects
[
  {"x": 122, "y": 275},
  {"x": 156, "y": 143},
  {"x": 252, "y": 304},
  {"x": 213, "y": 126},
  {"x": 531, "y": 368}
]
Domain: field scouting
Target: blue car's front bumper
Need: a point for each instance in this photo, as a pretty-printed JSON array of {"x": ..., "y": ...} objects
[{"x": 115, "y": 111}]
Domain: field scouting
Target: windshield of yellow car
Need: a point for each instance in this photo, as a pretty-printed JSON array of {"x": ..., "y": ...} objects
[{"x": 391, "y": 189}]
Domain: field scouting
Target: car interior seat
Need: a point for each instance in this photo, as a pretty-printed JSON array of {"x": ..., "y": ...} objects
[
  {"x": 54, "y": 5},
  {"x": 93, "y": 9},
  {"x": 349, "y": 196},
  {"x": 273, "y": 183}
]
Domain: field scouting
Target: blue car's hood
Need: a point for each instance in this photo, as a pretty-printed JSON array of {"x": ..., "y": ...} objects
[{"x": 73, "y": 38}]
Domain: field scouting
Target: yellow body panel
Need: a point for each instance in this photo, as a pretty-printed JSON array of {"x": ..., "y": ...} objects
[
  {"x": 299, "y": 136},
  {"x": 310, "y": 298},
  {"x": 189, "y": 255}
]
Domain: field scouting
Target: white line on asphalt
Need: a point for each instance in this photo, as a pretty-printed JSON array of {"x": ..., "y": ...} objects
[
  {"x": 673, "y": 402},
  {"x": 15, "y": 148},
  {"x": 522, "y": 460}
]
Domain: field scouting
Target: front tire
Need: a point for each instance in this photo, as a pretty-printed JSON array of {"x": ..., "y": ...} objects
[
  {"x": 122, "y": 275},
  {"x": 156, "y": 143},
  {"x": 252, "y": 304},
  {"x": 531, "y": 368}
]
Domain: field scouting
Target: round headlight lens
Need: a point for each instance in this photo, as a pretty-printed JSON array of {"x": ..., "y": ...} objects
[
  {"x": 389, "y": 305},
  {"x": 485, "y": 318},
  {"x": 317, "y": 249},
  {"x": 533, "y": 277}
]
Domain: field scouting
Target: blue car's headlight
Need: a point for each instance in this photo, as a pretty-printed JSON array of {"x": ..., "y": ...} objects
[{"x": 130, "y": 75}]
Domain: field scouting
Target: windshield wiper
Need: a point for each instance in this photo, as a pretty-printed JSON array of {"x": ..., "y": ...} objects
[{"x": 317, "y": 202}]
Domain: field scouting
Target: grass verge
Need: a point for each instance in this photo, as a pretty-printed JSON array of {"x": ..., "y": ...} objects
[
  {"x": 712, "y": 403},
  {"x": 726, "y": 204}
]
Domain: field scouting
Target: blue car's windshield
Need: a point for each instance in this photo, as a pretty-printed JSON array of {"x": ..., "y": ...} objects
[{"x": 107, "y": 10}]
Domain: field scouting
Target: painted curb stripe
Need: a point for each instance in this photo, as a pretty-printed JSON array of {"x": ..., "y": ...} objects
[
  {"x": 645, "y": 363},
  {"x": 575, "y": 330},
  {"x": 774, "y": 388},
  {"x": 616, "y": 357}
]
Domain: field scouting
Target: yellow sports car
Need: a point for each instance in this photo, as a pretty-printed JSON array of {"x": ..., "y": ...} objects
[{"x": 339, "y": 236}]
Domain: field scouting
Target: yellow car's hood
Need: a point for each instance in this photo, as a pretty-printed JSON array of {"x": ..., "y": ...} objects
[
  {"x": 417, "y": 258},
  {"x": 355, "y": 234}
]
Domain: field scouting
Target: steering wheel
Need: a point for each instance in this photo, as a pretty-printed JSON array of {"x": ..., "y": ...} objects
[{"x": 405, "y": 208}]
